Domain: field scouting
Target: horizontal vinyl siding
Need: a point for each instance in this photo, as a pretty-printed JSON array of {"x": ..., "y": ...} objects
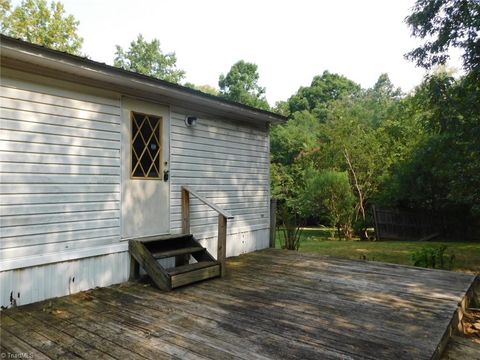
[
  {"x": 59, "y": 167},
  {"x": 228, "y": 164},
  {"x": 42, "y": 282}
]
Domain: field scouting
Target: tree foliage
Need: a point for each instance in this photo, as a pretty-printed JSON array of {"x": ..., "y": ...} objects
[
  {"x": 298, "y": 135},
  {"x": 322, "y": 91},
  {"x": 443, "y": 171},
  {"x": 419, "y": 151},
  {"x": 241, "y": 85},
  {"x": 5, "y": 7},
  {"x": 37, "y": 22},
  {"x": 329, "y": 195},
  {"x": 361, "y": 134},
  {"x": 147, "y": 58},
  {"x": 207, "y": 89},
  {"x": 287, "y": 185},
  {"x": 445, "y": 24}
]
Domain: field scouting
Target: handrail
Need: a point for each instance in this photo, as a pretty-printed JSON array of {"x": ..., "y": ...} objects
[
  {"x": 207, "y": 202},
  {"x": 223, "y": 217}
]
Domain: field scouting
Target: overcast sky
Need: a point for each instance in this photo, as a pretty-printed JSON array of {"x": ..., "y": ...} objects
[{"x": 290, "y": 41}]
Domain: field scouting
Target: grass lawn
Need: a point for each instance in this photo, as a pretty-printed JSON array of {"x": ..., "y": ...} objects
[{"x": 319, "y": 240}]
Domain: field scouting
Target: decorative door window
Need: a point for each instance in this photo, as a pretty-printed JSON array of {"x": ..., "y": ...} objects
[{"x": 146, "y": 146}]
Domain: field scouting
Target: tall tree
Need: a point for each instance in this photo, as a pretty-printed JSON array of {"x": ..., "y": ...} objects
[
  {"x": 381, "y": 97},
  {"x": 298, "y": 135},
  {"x": 445, "y": 24},
  {"x": 443, "y": 171},
  {"x": 241, "y": 85},
  {"x": 362, "y": 133},
  {"x": 322, "y": 91},
  {"x": 37, "y": 22},
  {"x": 384, "y": 88},
  {"x": 148, "y": 59}
]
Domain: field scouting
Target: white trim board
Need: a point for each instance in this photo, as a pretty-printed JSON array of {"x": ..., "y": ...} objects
[{"x": 29, "y": 261}]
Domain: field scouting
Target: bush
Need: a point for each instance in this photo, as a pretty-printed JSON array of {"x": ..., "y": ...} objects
[
  {"x": 289, "y": 226},
  {"x": 328, "y": 194},
  {"x": 433, "y": 257}
]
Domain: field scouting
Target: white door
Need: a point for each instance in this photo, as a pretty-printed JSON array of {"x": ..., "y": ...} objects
[{"x": 145, "y": 163}]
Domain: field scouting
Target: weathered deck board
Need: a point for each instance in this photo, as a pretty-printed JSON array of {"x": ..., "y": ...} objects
[
  {"x": 460, "y": 348},
  {"x": 272, "y": 304}
]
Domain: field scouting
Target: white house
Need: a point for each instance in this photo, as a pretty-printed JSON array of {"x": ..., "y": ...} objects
[{"x": 76, "y": 182}]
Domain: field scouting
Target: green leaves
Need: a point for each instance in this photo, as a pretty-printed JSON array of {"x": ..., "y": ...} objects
[
  {"x": 329, "y": 195},
  {"x": 323, "y": 90},
  {"x": 147, "y": 58},
  {"x": 442, "y": 170},
  {"x": 241, "y": 85},
  {"x": 344, "y": 138},
  {"x": 297, "y": 137},
  {"x": 433, "y": 257},
  {"x": 445, "y": 24},
  {"x": 36, "y": 22}
]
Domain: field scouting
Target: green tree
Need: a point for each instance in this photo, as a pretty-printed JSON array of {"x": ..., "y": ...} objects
[
  {"x": 351, "y": 143},
  {"x": 36, "y": 22},
  {"x": 288, "y": 142},
  {"x": 147, "y": 58},
  {"x": 281, "y": 108},
  {"x": 287, "y": 183},
  {"x": 329, "y": 193},
  {"x": 382, "y": 98},
  {"x": 363, "y": 134},
  {"x": 445, "y": 24},
  {"x": 323, "y": 90},
  {"x": 241, "y": 85},
  {"x": 300, "y": 134},
  {"x": 443, "y": 171},
  {"x": 385, "y": 89}
]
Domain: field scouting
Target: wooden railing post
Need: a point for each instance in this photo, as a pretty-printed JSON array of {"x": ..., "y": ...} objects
[
  {"x": 222, "y": 242},
  {"x": 273, "y": 221},
  {"x": 223, "y": 217},
  {"x": 185, "y": 211},
  {"x": 183, "y": 259}
]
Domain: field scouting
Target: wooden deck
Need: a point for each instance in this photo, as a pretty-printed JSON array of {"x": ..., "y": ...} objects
[{"x": 272, "y": 304}]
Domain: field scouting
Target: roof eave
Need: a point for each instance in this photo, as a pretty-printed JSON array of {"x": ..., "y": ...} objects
[{"x": 19, "y": 54}]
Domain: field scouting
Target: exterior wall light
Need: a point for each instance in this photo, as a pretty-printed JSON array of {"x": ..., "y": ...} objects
[{"x": 190, "y": 120}]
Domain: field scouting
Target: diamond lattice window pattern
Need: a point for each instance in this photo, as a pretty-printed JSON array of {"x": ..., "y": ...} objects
[{"x": 146, "y": 146}]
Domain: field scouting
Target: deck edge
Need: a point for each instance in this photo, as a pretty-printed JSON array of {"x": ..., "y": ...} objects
[{"x": 456, "y": 325}]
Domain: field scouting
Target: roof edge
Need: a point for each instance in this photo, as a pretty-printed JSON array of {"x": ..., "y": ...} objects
[{"x": 32, "y": 53}]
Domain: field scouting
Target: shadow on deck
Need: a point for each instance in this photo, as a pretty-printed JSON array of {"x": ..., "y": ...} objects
[{"x": 272, "y": 304}]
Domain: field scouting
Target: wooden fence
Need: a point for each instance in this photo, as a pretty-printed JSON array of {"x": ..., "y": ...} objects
[{"x": 406, "y": 225}]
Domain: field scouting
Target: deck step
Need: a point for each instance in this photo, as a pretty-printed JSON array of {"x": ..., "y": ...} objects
[
  {"x": 145, "y": 252},
  {"x": 191, "y": 267},
  {"x": 154, "y": 238},
  {"x": 187, "y": 274},
  {"x": 175, "y": 252}
]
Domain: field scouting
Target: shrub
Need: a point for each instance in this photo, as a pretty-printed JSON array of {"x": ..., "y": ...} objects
[
  {"x": 433, "y": 257},
  {"x": 328, "y": 194}
]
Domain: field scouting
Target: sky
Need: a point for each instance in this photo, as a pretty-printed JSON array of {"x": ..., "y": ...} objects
[{"x": 291, "y": 41}]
